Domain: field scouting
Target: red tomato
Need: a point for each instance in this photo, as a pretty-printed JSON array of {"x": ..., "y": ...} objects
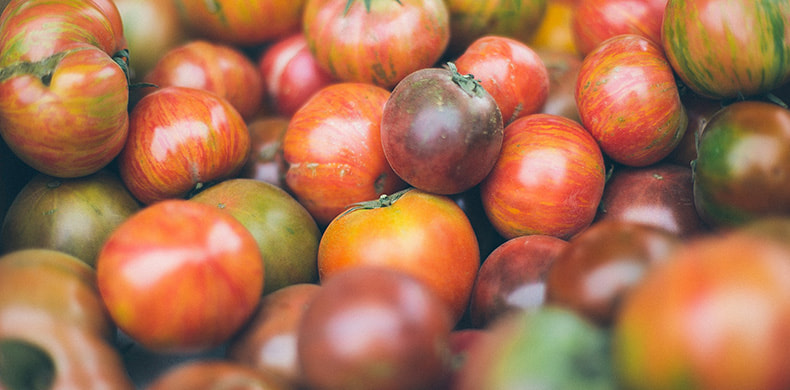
[
  {"x": 425, "y": 235},
  {"x": 179, "y": 140},
  {"x": 180, "y": 276},
  {"x": 510, "y": 71},
  {"x": 377, "y": 42},
  {"x": 715, "y": 316},
  {"x": 291, "y": 74},
  {"x": 548, "y": 180},
  {"x": 222, "y": 69},
  {"x": 629, "y": 101},
  {"x": 333, "y": 150},
  {"x": 64, "y": 93},
  {"x": 595, "y": 21},
  {"x": 728, "y": 48}
]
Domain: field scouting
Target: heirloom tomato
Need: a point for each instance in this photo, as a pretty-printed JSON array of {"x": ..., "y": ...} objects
[
  {"x": 333, "y": 150},
  {"x": 181, "y": 139},
  {"x": 64, "y": 87},
  {"x": 378, "y": 42},
  {"x": 628, "y": 100},
  {"x": 510, "y": 71},
  {"x": 595, "y": 21},
  {"x": 728, "y": 48},
  {"x": 742, "y": 169},
  {"x": 266, "y": 162},
  {"x": 548, "y": 180},
  {"x": 425, "y": 235},
  {"x": 441, "y": 131},
  {"x": 205, "y": 374},
  {"x": 180, "y": 276}
]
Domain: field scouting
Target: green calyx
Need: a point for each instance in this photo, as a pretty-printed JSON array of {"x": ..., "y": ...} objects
[
  {"x": 467, "y": 82},
  {"x": 383, "y": 201},
  {"x": 367, "y": 5}
]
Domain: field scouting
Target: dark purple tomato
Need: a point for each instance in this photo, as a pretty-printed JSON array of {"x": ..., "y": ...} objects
[
  {"x": 699, "y": 110},
  {"x": 441, "y": 131},
  {"x": 660, "y": 195},
  {"x": 374, "y": 328},
  {"x": 603, "y": 263},
  {"x": 742, "y": 170},
  {"x": 513, "y": 277}
]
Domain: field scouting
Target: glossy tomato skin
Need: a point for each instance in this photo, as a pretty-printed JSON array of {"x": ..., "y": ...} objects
[
  {"x": 181, "y": 138},
  {"x": 628, "y": 100},
  {"x": 718, "y": 61},
  {"x": 742, "y": 169},
  {"x": 266, "y": 161},
  {"x": 291, "y": 74},
  {"x": 441, "y": 131},
  {"x": 595, "y": 21},
  {"x": 374, "y": 328},
  {"x": 180, "y": 276},
  {"x": 699, "y": 110},
  {"x": 425, "y": 235},
  {"x": 715, "y": 316},
  {"x": 333, "y": 150},
  {"x": 378, "y": 46},
  {"x": 510, "y": 71},
  {"x": 222, "y": 69},
  {"x": 549, "y": 178}
]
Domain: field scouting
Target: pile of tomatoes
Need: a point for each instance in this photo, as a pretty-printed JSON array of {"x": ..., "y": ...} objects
[{"x": 395, "y": 194}]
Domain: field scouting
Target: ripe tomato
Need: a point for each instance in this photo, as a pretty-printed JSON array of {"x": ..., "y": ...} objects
[
  {"x": 548, "y": 180},
  {"x": 266, "y": 162},
  {"x": 441, "y": 131},
  {"x": 378, "y": 42},
  {"x": 333, "y": 150},
  {"x": 742, "y": 169},
  {"x": 595, "y": 21},
  {"x": 629, "y": 101},
  {"x": 215, "y": 374},
  {"x": 181, "y": 139},
  {"x": 180, "y": 276},
  {"x": 222, "y": 69},
  {"x": 510, "y": 71},
  {"x": 423, "y": 234},
  {"x": 728, "y": 48}
]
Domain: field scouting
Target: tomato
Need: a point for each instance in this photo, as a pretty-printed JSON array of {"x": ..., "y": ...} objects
[
  {"x": 63, "y": 91},
  {"x": 266, "y": 162},
  {"x": 548, "y": 180},
  {"x": 222, "y": 69},
  {"x": 70, "y": 215},
  {"x": 241, "y": 22},
  {"x": 291, "y": 74},
  {"x": 699, "y": 110},
  {"x": 513, "y": 278},
  {"x": 374, "y": 328},
  {"x": 441, "y": 131},
  {"x": 742, "y": 169},
  {"x": 333, "y": 150},
  {"x": 728, "y": 49},
  {"x": 716, "y": 315},
  {"x": 215, "y": 374},
  {"x": 510, "y": 71},
  {"x": 628, "y": 100},
  {"x": 378, "y": 42},
  {"x": 285, "y": 231},
  {"x": 595, "y": 21},
  {"x": 554, "y": 32},
  {"x": 181, "y": 139},
  {"x": 180, "y": 276},
  {"x": 602, "y": 264},
  {"x": 660, "y": 195},
  {"x": 425, "y": 235},
  {"x": 472, "y": 19},
  {"x": 269, "y": 340}
]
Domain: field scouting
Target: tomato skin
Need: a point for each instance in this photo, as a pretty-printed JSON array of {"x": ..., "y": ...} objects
[
  {"x": 717, "y": 60},
  {"x": 549, "y": 178},
  {"x": 333, "y": 150},
  {"x": 215, "y": 374},
  {"x": 180, "y": 276},
  {"x": 181, "y": 138},
  {"x": 742, "y": 172},
  {"x": 510, "y": 71},
  {"x": 595, "y": 21},
  {"x": 425, "y": 235},
  {"x": 380, "y": 46},
  {"x": 266, "y": 162},
  {"x": 629, "y": 101}
]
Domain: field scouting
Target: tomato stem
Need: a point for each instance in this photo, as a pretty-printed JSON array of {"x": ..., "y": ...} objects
[
  {"x": 467, "y": 82},
  {"x": 383, "y": 201}
]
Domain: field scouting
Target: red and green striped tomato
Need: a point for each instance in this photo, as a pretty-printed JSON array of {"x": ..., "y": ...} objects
[
  {"x": 728, "y": 48},
  {"x": 628, "y": 100}
]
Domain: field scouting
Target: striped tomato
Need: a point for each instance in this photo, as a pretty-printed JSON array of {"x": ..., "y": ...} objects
[
  {"x": 629, "y": 101},
  {"x": 728, "y": 48}
]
